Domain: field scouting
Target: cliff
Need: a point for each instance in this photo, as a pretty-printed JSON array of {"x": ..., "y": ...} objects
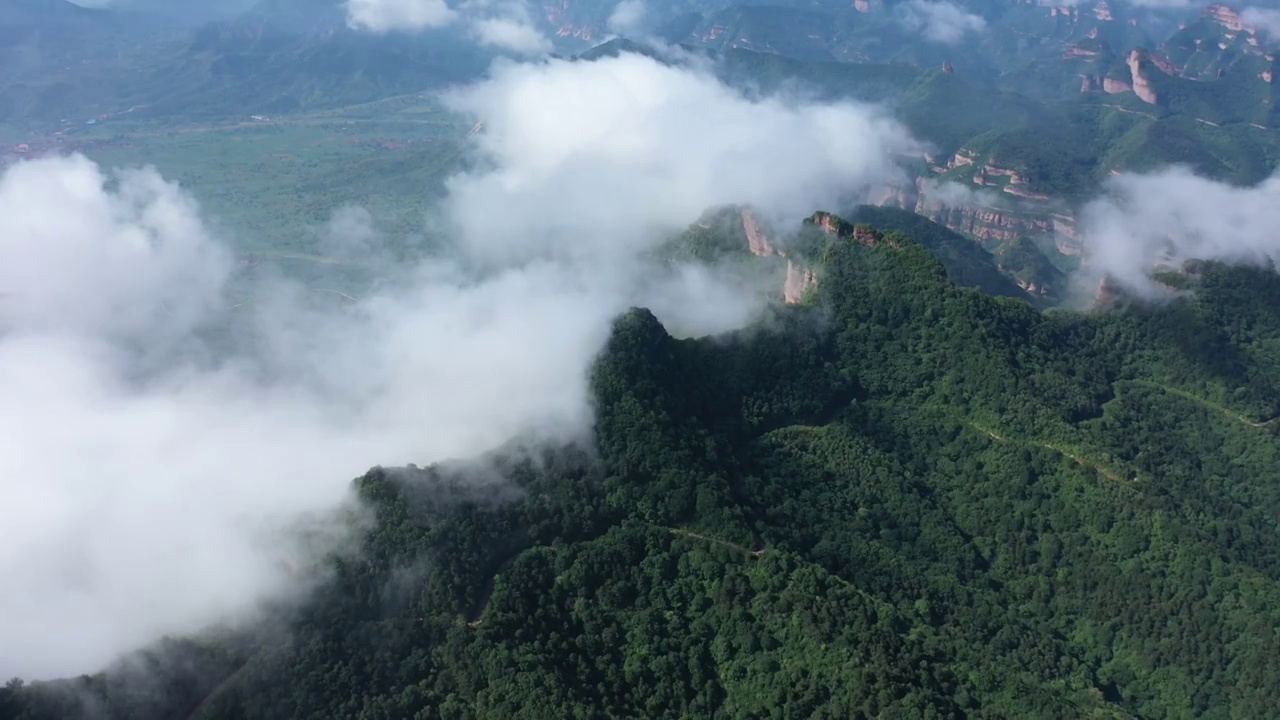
[
  {"x": 798, "y": 283},
  {"x": 1141, "y": 85},
  {"x": 862, "y": 234},
  {"x": 975, "y": 215},
  {"x": 757, "y": 241}
]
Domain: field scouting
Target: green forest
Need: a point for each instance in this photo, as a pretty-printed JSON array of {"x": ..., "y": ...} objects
[{"x": 903, "y": 498}]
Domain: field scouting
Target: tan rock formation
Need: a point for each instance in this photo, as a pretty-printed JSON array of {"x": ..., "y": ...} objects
[
  {"x": 1075, "y": 51},
  {"x": 1163, "y": 63},
  {"x": 799, "y": 281},
  {"x": 1226, "y": 17},
  {"x": 962, "y": 158},
  {"x": 1107, "y": 294},
  {"x": 1114, "y": 86},
  {"x": 1102, "y": 11},
  {"x": 1031, "y": 288},
  {"x": 757, "y": 242},
  {"x": 1141, "y": 86}
]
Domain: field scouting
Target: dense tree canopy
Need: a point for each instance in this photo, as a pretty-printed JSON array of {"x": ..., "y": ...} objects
[{"x": 903, "y": 498}]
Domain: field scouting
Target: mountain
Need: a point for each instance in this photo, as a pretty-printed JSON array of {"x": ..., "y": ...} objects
[
  {"x": 186, "y": 12},
  {"x": 278, "y": 56},
  {"x": 57, "y": 58},
  {"x": 289, "y": 55},
  {"x": 1022, "y": 164},
  {"x": 894, "y": 498}
]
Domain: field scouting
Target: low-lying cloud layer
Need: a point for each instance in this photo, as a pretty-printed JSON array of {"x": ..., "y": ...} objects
[
  {"x": 403, "y": 15},
  {"x": 1168, "y": 217},
  {"x": 505, "y": 25},
  {"x": 627, "y": 17},
  {"x": 939, "y": 21},
  {"x": 160, "y": 438},
  {"x": 1264, "y": 20},
  {"x": 627, "y": 147}
]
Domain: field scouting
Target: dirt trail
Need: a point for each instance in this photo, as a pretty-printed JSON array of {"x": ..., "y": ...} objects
[
  {"x": 1208, "y": 404},
  {"x": 1096, "y": 467},
  {"x": 717, "y": 541}
]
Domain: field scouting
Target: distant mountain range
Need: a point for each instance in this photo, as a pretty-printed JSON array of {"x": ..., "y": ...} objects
[
  {"x": 60, "y": 60},
  {"x": 1033, "y": 106}
]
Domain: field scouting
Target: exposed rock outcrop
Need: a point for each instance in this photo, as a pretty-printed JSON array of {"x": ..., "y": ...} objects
[
  {"x": 1075, "y": 51},
  {"x": 983, "y": 222},
  {"x": 1163, "y": 64},
  {"x": 1107, "y": 294},
  {"x": 1114, "y": 86},
  {"x": 1031, "y": 288},
  {"x": 833, "y": 225},
  {"x": 757, "y": 241},
  {"x": 799, "y": 281},
  {"x": 1141, "y": 86},
  {"x": 962, "y": 158},
  {"x": 1227, "y": 18}
]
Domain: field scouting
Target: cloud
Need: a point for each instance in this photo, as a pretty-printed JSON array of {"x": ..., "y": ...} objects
[
  {"x": 625, "y": 147},
  {"x": 1165, "y": 4},
  {"x": 381, "y": 16},
  {"x": 164, "y": 435},
  {"x": 351, "y": 234},
  {"x": 1168, "y": 217},
  {"x": 950, "y": 193},
  {"x": 627, "y": 16},
  {"x": 1266, "y": 20},
  {"x": 939, "y": 21},
  {"x": 511, "y": 34},
  {"x": 506, "y": 25}
]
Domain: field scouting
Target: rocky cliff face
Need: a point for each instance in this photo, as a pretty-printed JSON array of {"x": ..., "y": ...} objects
[
  {"x": 985, "y": 222},
  {"x": 1227, "y": 18},
  {"x": 833, "y": 225},
  {"x": 1115, "y": 86},
  {"x": 757, "y": 241},
  {"x": 799, "y": 282},
  {"x": 1141, "y": 85},
  {"x": 1107, "y": 294}
]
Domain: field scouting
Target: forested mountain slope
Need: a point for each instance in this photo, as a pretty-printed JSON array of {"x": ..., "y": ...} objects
[{"x": 898, "y": 498}]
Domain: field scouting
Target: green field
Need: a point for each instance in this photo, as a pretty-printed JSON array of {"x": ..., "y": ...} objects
[{"x": 270, "y": 184}]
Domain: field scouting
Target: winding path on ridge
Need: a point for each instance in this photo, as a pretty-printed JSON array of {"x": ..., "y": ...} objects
[
  {"x": 1079, "y": 460},
  {"x": 1208, "y": 404}
]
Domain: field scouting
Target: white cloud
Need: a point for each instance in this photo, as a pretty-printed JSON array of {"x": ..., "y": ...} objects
[
  {"x": 506, "y": 25},
  {"x": 382, "y": 16},
  {"x": 939, "y": 21},
  {"x": 1266, "y": 20},
  {"x": 626, "y": 146},
  {"x": 1166, "y": 4},
  {"x": 151, "y": 465},
  {"x": 627, "y": 16},
  {"x": 513, "y": 34},
  {"x": 1171, "y": 216},
  {"x": 950, "y": 193}
]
